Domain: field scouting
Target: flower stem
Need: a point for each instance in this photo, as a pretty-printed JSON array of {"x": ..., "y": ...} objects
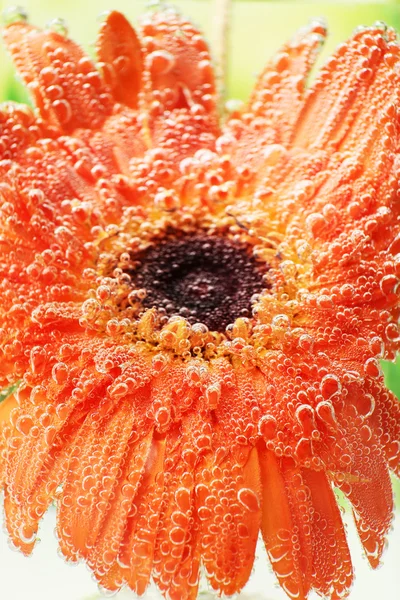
[{"x": 222, "y": 20}]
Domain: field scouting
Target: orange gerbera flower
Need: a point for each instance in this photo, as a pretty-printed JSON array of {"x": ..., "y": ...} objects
[{"x": 193, "y": 312}]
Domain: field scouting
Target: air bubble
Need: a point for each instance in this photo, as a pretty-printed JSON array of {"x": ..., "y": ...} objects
[
  {"x": 26, "y": 534},
  {"x": 372, "y": 368},
  {"x": 162, "y": 417},
  {"x": 24, "y": 424},
  {"x": 281, "y": 322},
  {"x": 306, "y": 342},
  {"x": 37, "y": 359},
  {"x": 58, "y": 25},
  {"x": 326, "y": 413},
  {"x": 330, "y": 386},
  {"x": 160, "y": 62},
  {"x": 60, "y": 373},
  {"x": 365, "y": 405},
  {"x": 249, "y": 499},
  {"x": 14, "y": 14},
  {"x": 177, "y": 535},
  {"x": 63, "y": 111},
  {"x": 182, "y": 498},
  {"x": 159, "y": 362},
  {"x": 305, "y": 417},
  {"x": 213, "y": 394},
  {"x": 267, "y": 427}
]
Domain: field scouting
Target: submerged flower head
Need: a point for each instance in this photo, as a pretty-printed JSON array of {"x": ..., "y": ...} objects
[{"x": 192, "y": 312}]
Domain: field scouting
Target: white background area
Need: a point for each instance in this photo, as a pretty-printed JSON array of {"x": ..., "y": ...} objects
[{"x": 45, "y": 575}]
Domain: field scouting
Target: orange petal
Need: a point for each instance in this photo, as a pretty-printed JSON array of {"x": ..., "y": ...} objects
[
  {"x": 229, "y": 536},
  {"x": 187, "y": 575},
  {"x": 85, "y": 499},
  {"x": 22, "y": 516},
  {"x": 178, "y": 62},
  {"x": 349, "y": 93},
  {"x": 103, "y": 557},
  {"x": 19, "y": 129},
  {"x": 118, "y": 48},
  {"x": 33, "y": 449},
  {"x": 332, "y": 568},
  {"x": 35, "y": 467},
  {"x": 284, "y": 519},
  {"x": 21, "y": 532},
  {"x": 6, "y": 406},
  {"x": 369, "y": 490},
  {"x": 363, "y": 474},
  {"x": 386, "y": 421},
  {"x": 175, "y": 529},
  {"x": 65, "y": 85},
  {"x": 137, "y": 551},
  {"x": 279, "y": 91}
]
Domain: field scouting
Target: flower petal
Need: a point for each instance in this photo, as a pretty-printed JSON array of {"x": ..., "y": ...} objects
[
  {"x": 229, "y": 537},
  {"x": 178, "y": 62},
  {"x": 106, "y": 549},
  {"x": 119, "y": 50},
  {"x": 179, "y": 84},
  {"x": 279, "y": 92},
  {"x": 19, "y": 129},
  {"x": 85, "y": 500},
  {"x": 282, "y": 519},
  {"x": 166, "y": 445},
  {"x": 367, "y": 484},
  {"x": 303, "y": 530},
  {"x": 332, "y": 568},
  {"x": 6, "y": 406},
  {"x": 26, "y": 506},
  {"x": 176, "y": 536},
  {"x": 65, "y": 85},
  {"x": 361, "y": 71},
  {"x": 137, "y": 552}
]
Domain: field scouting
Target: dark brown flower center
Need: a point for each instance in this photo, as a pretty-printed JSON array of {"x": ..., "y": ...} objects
[{"x": 206, "y": 279}]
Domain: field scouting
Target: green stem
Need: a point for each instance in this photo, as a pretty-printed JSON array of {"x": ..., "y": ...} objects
[
  {"x": 222, "y": 21},
  {"x": 4, "y": 394}
]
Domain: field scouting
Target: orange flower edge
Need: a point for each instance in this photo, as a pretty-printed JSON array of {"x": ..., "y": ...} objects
[{"x": 133, "y": 227}]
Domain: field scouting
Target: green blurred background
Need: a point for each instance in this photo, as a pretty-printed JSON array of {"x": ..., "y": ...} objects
[
  {"x": 258, "y": 27},
  {"x": 257, "y": 30}
]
